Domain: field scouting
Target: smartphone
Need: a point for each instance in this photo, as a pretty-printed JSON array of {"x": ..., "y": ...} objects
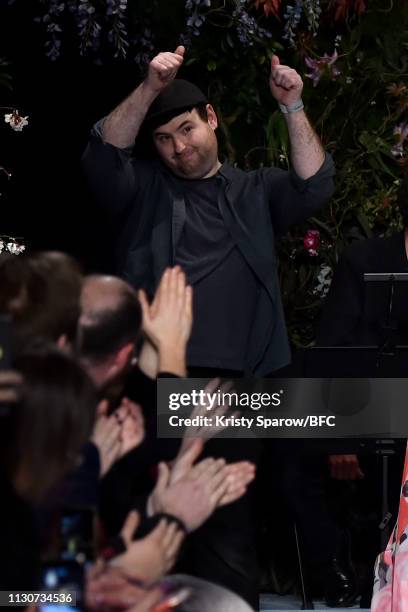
[
  {"x": 62, "y": 579},
  {"x": 77, "y": 534}
]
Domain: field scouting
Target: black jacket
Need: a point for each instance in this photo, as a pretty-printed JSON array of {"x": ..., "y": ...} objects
[{"x": 256, "y": 207}]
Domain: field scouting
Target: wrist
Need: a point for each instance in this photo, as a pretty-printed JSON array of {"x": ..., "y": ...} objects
[
  {"x": 149, "y": 91},
  {"x": 173, "y": 518},
  {"x": 294, "y": 107},
  {"x": 173, "y": 365},
  {"x": 172, "y": 358}
]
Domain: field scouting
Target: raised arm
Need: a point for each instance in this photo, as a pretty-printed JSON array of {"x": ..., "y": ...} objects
[
  {"x": 167, "y": 324},
  {"x": 307, "y": 153},
  {"x": 123, "y": 123}
]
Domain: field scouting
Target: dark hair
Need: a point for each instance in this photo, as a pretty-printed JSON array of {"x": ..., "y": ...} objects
[
  {"x": 105, "y": 331},
  {"x": 43, "y": 434},
  {"x": 403, "y": 200},
  {"x": 202, "y": 111},
  {"x": 41, "y": 292}
]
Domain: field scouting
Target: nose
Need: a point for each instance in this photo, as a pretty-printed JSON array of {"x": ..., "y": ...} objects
[{"x": 178, "y": 145}]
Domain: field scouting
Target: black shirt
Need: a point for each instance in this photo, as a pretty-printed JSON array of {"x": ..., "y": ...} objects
[
  {"x": 225, "y": 287},
  {"x": 141, "y": 195}
]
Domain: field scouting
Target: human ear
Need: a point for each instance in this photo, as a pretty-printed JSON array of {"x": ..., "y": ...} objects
[{"x": 211, "y": 117}]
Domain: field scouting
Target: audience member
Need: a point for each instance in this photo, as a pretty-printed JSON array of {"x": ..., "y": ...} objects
[{"x": 41, "y": 439}]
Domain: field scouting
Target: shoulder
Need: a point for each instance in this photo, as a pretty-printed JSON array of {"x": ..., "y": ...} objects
[{"x": 238, "y": 178}]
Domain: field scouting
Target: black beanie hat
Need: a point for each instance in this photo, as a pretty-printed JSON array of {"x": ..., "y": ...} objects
[{"x": 175, "y": 99}]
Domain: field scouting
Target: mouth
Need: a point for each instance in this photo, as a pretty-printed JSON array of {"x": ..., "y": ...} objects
[{"x": 185, "y": 156}]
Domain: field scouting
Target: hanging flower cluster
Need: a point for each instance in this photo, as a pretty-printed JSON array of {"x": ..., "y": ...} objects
[
  {"x": 117, "y": 34},
  {"x": 10, "y": 245},
  {"x": 310, "y": 10},
  {"x": 247, "y": 27},
  {"x": 16, "y": 121},
  {"x": 323, "y": 281},
  {"x": 94, "y": 21},
  {"x": 145, "y": 45},
  {"x": 196, "y": 17}
]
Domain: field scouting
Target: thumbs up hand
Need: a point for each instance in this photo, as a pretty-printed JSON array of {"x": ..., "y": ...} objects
[
  {"x": 163, "y": 68},
  {"x": 285, "y": 83}
]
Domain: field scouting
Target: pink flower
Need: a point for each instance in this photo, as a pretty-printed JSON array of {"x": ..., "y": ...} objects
[
  {"x": 321, "y": 65},
  {"x": 311, "y": 242}
]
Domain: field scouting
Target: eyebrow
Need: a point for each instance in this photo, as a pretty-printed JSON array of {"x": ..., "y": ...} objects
[{"x": 177, "y": 128}]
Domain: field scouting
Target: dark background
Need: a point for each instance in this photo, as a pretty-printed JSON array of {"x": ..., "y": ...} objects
[{"x": 46, "y": 201}]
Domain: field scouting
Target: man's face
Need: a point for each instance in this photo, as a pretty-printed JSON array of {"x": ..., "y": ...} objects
[{"x": 187, "y": 144}]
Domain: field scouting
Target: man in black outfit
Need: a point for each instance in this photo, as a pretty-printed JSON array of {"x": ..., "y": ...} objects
[
  {"x": 185, "y": 207},
  {"x": 220, "y": 224}
]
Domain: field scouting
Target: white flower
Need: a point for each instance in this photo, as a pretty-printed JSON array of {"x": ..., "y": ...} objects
[
  {"x": 323, "y": 279},
  {"x": 16, "y": 121},
  {"x": 14, "y": 248},
  {"x": 9, "y": 244}
]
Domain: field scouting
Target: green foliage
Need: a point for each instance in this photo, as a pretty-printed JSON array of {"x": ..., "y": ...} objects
[{"x": 355, "y": 109}]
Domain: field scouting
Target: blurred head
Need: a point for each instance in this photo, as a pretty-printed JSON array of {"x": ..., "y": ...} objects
[
  {"x": 42, "y": 436},
  {"x": 41, "y": 294},
  {"x": 205, "y": 596},
  {"x": 109, "y": 327}
]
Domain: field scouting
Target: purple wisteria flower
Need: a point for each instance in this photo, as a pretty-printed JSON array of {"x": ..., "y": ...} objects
[
  {"x": 322, "y": 65},
  {"x": 401, "y": 132},
  {"x": 144, "y": 43},
  {"x": 312, "y": 10},
  {"x": 247, "y": 26},
  {"x": 309, "y": 9},
  {"x": 117, "y": 35},
  {"x": 292, "y": 16},
  {"x": 53, "y": 28},
  {"x": 196, "y": 19}
]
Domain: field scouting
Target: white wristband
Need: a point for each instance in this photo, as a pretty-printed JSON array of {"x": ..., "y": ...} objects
[{"x": 293, "y": 108}]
